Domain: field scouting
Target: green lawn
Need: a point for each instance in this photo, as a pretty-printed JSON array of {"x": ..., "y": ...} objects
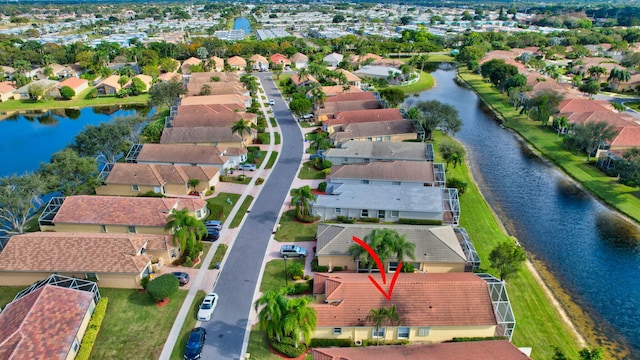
[
  {"x": 276, "y": 138},
  {"x": 78, "y": 102},
  {"x": 221, "y": 200},
  {"x": 273, "y": 121},
  {"x": 308, "y": 172},
  {"x": 282, "y": 77},
  {"x": 189, "y": 323},
  {"x": 290, "y": 229},
  {"x": 242, "y": 211},
  {"x": 258, "y": 346},
  {"x": 134, "y": 327},
  {"x": 426, "y": 82},
  {"x": 272, "y": 160},
  {"x": 7, "y": 293},
  {"x": 273, "y": 277},
  {"x": 634, "y": 105},
  {"x": 218, "y": 256}
]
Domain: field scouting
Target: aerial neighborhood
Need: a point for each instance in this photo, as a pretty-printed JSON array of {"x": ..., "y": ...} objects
[{"x": 289, "y": 191}]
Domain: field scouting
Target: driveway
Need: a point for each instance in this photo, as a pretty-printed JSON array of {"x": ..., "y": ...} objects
[{"x": 238, "y": 279}]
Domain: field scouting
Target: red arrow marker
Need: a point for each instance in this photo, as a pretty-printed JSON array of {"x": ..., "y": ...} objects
[{"x": 376, "y": 258}]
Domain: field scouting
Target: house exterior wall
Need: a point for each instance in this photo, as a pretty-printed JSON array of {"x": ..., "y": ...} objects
[
  {"x": 92, "y": 228},
  {"x": 20, "y": 278},
  {"x": 437, "y": 334},
  {"x": 396, "y": 137},
  {"x": 123, "y": 190},
  {"x": 374, "y": 182},
  {"x": 106, "y": 89},
  {"x": 82, "y": 87},
  {"x": 167, "y": 256},
  {"x": 81, "y": 330},
  {"x": 347, "y": 263},
  {"x": 6, "y": 96},
  {"x": 330, "y": 214}
]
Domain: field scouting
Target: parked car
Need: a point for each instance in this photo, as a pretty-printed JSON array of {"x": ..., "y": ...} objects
[
  {"x": 195, "y": 343},
  {"x": 183, "y": 277},
  {"x": 249, "y": 167},
  {"x": 214, "y": 224},
  {"x": 272, "y": 102},
  {"x": 207, "y": 307},
  {"x": 293, "y": 251},
  {"x": 212, "y": 235},
  {"x": 315, "y": 156}
]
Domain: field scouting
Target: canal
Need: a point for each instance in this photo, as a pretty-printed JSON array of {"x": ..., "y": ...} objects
[{"x": 594, "y": 254}]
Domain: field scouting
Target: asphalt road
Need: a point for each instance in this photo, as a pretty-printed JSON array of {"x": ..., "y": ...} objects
[{"x": 238, "y": 279}]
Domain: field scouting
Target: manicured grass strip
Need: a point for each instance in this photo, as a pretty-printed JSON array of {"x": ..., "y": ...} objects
[
  {"x": 292, "y": 230},
  {"x": 308, "y": 172},
  {"x": 264, "y": 138},
  {"x": 272, "y": 160},
  {"x": 273, "y": 121},
  {"x": 79, "y": 101},
  {"x": 135, "y": 325},
  {"x": 258, "y": 346},
  {"x": 426, "y": 82},
  {"x": 206, "y": 246},
  {"x": 189, "y": 323},
  {"x": 241, "y": 212},
  {"x": 276, "y": 138},
  {"x": 7, "y": 293},
  {"x": 218, "y": 256},
  {"x": 634, "y": 105},
  {"x": 220, "y": 202},
  {"x": 274, "y": 275}
]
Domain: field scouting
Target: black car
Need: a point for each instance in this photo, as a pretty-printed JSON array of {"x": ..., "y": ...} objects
[
  {"x": 212, "y": 235},
  {"x": 183, "y": 278},
  {"x": 195, "y": 344}
]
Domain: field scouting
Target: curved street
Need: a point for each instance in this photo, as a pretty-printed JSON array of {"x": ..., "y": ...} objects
[{"x": 228, "y": 330}]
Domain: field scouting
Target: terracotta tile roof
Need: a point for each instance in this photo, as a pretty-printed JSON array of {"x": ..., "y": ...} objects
[
  {"x": 445, "y": 299},
  {"x": 279, "y": 59},
  {"x": 216, "y": 88},
  {"x": 230, "y": 81},
  {"x": 331, "y": 108},
  {"x": 43, "y": 324},
  {"x": 210, "y": 115},
  {"x": 6, "y": 86},
  {"x": 73, "y": 82},
  {"x": 410, "y": 171},
  {"x": 77, "y": 252},
  {"x": 236, "y": 61},
  {"x": 180, "y": 154},
  {"x": 582, "y": 105},
  {"x": 227, "y": 99},
  {"x": 169, "y": 76},
  {"x": 350, "y": 76},
  {"x": 201, "y": 134},
  {"x": 117, "y": 210},
  {"x": 111, "y": 81},
  {"x": 218, "y": 62},
  {"x": 235, "y": 151},
  {"x": 372, "y": 129},
  {"x": 611, "y": 118},
  {"x": 339, "y": 89},
  {"x": 628, "y": 137},
  {"x": 364, "y": 116},
  {"x": 191, "y": 61},
  {"x": 477, "y": 350},
  {"x": 299, "y": 58},
  {"x": 157, "y": 175},
  {"x": 257, "y": 58},
  {"x": 305, "y": 79},
  {"x": 433, "y": 243},
  {"x": 352, "y": 96},
  {"x": 146, "y": 79}
]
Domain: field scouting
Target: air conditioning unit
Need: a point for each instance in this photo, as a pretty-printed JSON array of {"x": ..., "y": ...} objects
[{"x": 358, "y": 342}]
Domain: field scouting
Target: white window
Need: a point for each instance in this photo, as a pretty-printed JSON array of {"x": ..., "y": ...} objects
[
  {"x": 424, "y": 331},
  {"x": 396, "y": 183},
  {"x": 131, "y": 229},
  {"x": 377, "y": 334},
  {"x": 364, "y": 213},
  {"x": 338, "y": 210},
  {"x": 157, "y": 189},
  {"x": 364, "y": 182},
  {"x": 337, "y": 331},
  {"x": 403, "y": 333},
  {"x": 395, "y": 213},
  {"x": 135, "y": 188}
]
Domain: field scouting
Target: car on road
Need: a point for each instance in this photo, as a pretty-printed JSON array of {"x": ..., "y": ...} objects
[
  {"x": 293, "y": 251},
  {"x": 272, "y": 102},
  {"x": 183, "y": 278},
  {"x": 249, "y": 167},
  {"x": 207, "y": 307},
  {"x": 195, "y": 344},
  {"x": 214, "y": 224}
]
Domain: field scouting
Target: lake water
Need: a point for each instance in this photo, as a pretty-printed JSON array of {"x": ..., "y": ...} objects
[
  {"x": 31, "y": 138},
  {"x": 593, "y": 253},
  {"x": 242, "y": 23}
]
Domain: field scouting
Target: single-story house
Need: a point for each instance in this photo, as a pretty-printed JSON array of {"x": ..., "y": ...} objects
[
  {"x": 351, "y": 101},
  {"x": 438, "y": 249},
  {"x": 237, "y": 63},
  {"x": 116, "y": 260},
  {"x": 339, "y": 89},
  {"x": 6, "y": 90},
  {"x": 280, "y": 59},
  {"x": 47, "y": 323},
  {"x": 146, "y": 80},
  {"x": 185, "y": 155},
  {"x": 305, "y": 80},
  {"x": 259, "y": 63},
  {"x": 351, "y": 152},
  {"x": 400, "y": 173},
  {"x": 7, "y": 71},
  {"x": 352, "y": 79},
  {"x": 115, "y": 214},
  {"x": 300, "y": 60},
  {"x": 67, "y": 70},
  {"x": 206, "y": 135},
  {"x": 186, "y": 65},
  {"x": 432, "y": 307},
  {"x": 377, "y": 72},
  {"x": 109, "y": 86},
  {"x": 130, "y": 179},
  {"x": 333, "y": 59},
  {"x": 481, "y": 350},
  {"x": 46, "y": 84},
  {"x": 391, "y": 203},
  {"x": 399, "y": 130},
  {"x": 217, "y": 64},
  {"x": 349, "y": 117},
  {"x": 217, "y": 83},
  {"x": 78, "y": 85},
  {"x": 170, "y": 76},
  {"x": 243, "y": 101},
  {"x": 219, "y": 115}
]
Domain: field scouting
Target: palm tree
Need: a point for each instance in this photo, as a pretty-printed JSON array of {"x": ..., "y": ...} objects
[
  {"x": 597, "y": 71},
  {"x": 271, "y": 317},
  {"x": 392, "y": 316},
  {"x": 299, "y": 320},
  {"x": 403, "y": 249},
  {"x": 318, "y": 95},
  {"x": 241, "y": 128},
  {"x": 21, "y": 66},
  {"x": 382, "y": 241},
  {"x": 187, "y": 230},
  {"x": 303, "y": 72},
  {"x": 301, "y": 198},
  {"x": 619, "y": 75},
  {"x": 377, "y": 316},
  {"x": 320, "y": 141},
  {"x": 193, "y": 183}
]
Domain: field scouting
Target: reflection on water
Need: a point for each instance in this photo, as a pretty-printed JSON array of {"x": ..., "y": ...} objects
[{"x": 617, "y": 232}]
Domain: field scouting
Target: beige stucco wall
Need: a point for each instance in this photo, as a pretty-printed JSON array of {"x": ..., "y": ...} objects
[
  {"x": 118, "y": 229},
  {"x": 177, "y": 189},
  {"x": 397, "y": 137},
  {"x": 165, "y": 255},
  {"x": 81, "y": 330},
  {"x": 122, "y": 190},
  {"x": 437, "y": 334},
  {"x": 337, "y": 260},
  {"x": 441, "y": 267}
]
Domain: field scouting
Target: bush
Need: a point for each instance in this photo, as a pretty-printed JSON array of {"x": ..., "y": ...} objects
[
  {"x": 163, "y": 286},
  {"x": 370, "y": 220},
  {"x": 151, "y": 193},
  {"x": 144, "y": 282},
  {"x": 92, "y": 94},
  {"x": 467, "y": 339},
  {"x": 89, "y": 338},
  {"x": 307, "y": 218},
  {"x": 317, "y": 268},
  {"x": 307, "y": 277},
  {"x": 177, "y": 262},
  {"x": 314, "y": 343},
  {"x": 373, "y": 342},
  {"x": 337, "y": 268},
  {"x": 259, "y": 181},
  {"x": 322, "y": 186},
  {"x": 458, "y": 184},
  {"x": 188, "y": 262},
  {"x": 343, "y": 219},
  {"x": 295, "y": 270},
  {"x": 286, "y": 347},
  {"x": 298, "y": 288},
  {"x": 67, "y": 93},
  {"x": 419, "y": 222},
  {"x": 408, "y": 268}
]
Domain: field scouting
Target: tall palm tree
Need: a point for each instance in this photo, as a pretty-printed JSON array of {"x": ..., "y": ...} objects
[
  {"x": 382, "y": 241},
  {"x": 271, "y": 316},
  {"x": 377, "y": 316},
  {"x": 241, "y": 128},
  {"x": 301, "y": 198},
  {"x": 597, "y": 71},
  {"x": 320, "y": 141},
  {"x": 403, "y": 249},
  {"x": 187, "y": 230},
  {"x": 193, "y": 183},
  {"x": 300, "y": 320},
  {"x": 392, "y": 316},
  {"x": 318, "y": 95},
  {"x": 619, "y": 75},
  {"x": 303, "y": 72}
]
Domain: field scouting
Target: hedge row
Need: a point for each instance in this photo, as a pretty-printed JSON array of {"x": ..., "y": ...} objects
[
  {"x": 286, "y": 347},
  {"x": 419, "y": 222},
  {"x": 93, "y": 329}
]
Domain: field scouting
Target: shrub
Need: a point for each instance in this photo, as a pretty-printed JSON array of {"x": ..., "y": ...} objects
[
  {"x": 307, "y": 218},
  {"x": 295, "y": 270},
  {"x": 90, "y": 335},
  {"x": 259, "y": 181},
  {"x": 419, "y": 222},
  {"x": 242, "y": 177},
  {"x": 286, "y": 347},
  {"x": 263, "y": 137},
  {"x": 145, "y": 281},
  {"x": 67, "y": 92},
  {"x": 369, "y": 220},
  {"x": 163, "y": 286},
  {"x": 151, "y": 193},
  {"x": 322, "y": 186},
  {"x": 298, "y": 288},
  {"x": 408, "y": 268},
  {"x": 467, "y": 339},
  {"x": 318, "y": 268},
  {"x": 337, "y": 268},
  {"x": 92, "y": 94},
  {"x": 458, "y": 184},
  {"x": 330, "y": 343},
  {"x": 188, "y": 262},
  {"x": 343, "y": 219},
  {"x": 226, "y": 178},
  {"x": 307, "y": 277},
  {"x": 177, "y": 262},
  {"x": 372, "y": 342}
]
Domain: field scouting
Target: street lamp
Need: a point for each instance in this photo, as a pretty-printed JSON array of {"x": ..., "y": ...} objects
[{"x": 286, "y": 281}]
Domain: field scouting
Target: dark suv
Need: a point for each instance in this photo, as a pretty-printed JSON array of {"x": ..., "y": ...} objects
[{"x": 195, "y": 344}]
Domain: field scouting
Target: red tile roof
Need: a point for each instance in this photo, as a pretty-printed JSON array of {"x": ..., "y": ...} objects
[
  {"x": 200, "y": 134},
  {"x": 628, "y": 137},
  {"x": 180, "y": 154},
  {"x": 121, "y": 210},
  {"x": 447, "y": 299},
  {"x": 6, "y": 86},
  {"x": 363, "y": 116},
  {"x": 477, "y": 350},
  {"x": 582, "y": 105},
  {"x": 305, "y": 79},
  {"x": 43, "y": 324},
  {"x": 280, "y": 59},
  {"x": 79, "y": 252},
  {"x": 73, "y": 82},
  {"x": 354, "y": 96}
]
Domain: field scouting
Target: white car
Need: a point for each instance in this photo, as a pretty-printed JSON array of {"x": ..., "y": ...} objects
[
  {"x": 272, "y": 102},
  {"x": 208, "y": 305}
]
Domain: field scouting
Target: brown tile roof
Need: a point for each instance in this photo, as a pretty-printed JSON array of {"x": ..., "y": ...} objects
[
  {"x": 218, "y": 62},
  {"x": 339, "y": 89},
  {"x": 216, "y": 88},
  {"x": 350, "y": 76},
  {"x": 201, "y": 134},
  {"x": 157, "y": 175},
  {"x": 236, "y": 61},
  {"x": 372, "y": 129},
  {"x": 43, "y": 324},
  {"x": 210, "y": 115},
  {"x": 351, "y": 96},
  {"x": 169, "y": 76},
  {"x": 196, "y": 81},
  {"x": 6, "y": 86},
  {"x": 226, "y": 99},
  {"x": 364, "y": 116},
  {"x": 191, "y": 61},
  {"x": 445, "y": 299},
  {"x": 305, "y": 79},
  {"x": 331, "y": 108},
  {"x": 299, "y": 58},
  {"x": 181, "y": 154},
  {"x": 77, "y": 252},
  {"x": 117, "y": 210},
  {"x": 412, "y": 171},
  {"x": 259, "y": 58},
  {"x": 477, "y": 350},
  {"x": 582, "y": 105},
  {"x": 235, "y": 151},
  {"x": 73, "y": 82},
  {"x": 628, "y": 137},
  {"x": 111, "y": 81},
  {"x": 146, "y": 79},
  {"x": 611, "y": 118}
]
